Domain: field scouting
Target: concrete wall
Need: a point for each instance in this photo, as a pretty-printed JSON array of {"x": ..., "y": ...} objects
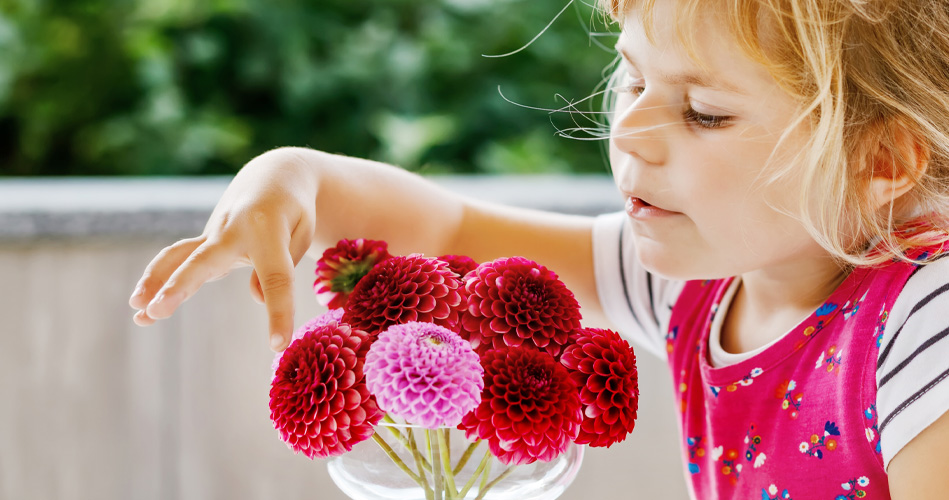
[{"x": 94, "y": 407}]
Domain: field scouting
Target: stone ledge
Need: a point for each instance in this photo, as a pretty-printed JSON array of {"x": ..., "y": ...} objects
[{"x": 179, "y": 206}]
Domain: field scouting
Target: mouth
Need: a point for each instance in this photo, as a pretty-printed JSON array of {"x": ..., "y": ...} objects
[{"x": 638, "y": 208}]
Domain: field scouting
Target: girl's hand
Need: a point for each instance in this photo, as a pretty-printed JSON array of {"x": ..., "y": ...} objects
[{"x": 265, "y": 219}]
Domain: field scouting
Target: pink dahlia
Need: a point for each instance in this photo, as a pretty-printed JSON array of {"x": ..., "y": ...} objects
[
  {"x": 514, "y": 301},
  {"x": 460, "y": 264},
  {"x": 331, "y": 316},
  {"x": 603, "y": 366},
  {"x": 403, "y": 289},
  {"x": 529, "y": 410},
  {"x": 342, "y": 266},
  {"x": 319, "y": 402},
  {"x": 424, "y": 373}
]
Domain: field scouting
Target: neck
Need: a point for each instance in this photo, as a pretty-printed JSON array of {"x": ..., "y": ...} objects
[{"x": 769, "y": 302}]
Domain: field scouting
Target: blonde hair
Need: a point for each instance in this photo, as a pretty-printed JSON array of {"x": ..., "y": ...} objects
[{"x": 865, "y": 72}]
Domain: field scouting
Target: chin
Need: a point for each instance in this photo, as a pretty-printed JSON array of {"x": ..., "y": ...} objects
[{"x": 676, "y": 266}]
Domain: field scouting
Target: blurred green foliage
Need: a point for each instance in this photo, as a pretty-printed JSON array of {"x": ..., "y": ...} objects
[{"x": 170, "y": 87}]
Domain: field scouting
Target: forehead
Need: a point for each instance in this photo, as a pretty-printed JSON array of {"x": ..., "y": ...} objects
[{"x": 703, "y": 51}]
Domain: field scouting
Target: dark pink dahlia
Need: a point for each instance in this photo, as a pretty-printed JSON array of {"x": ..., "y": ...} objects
[
  {"x": 342, "y": 266},
  {"x": 603, "y": 366},
  {"x": 460, "y": 264},
  {"x": 514, "y": 301},
  {"x": 529, "y": 410},
  {"x": 424, "y": 373},
  {"x": 403, "y": 289},
  {"x": 331, "y": 316},
  {"x": 319, "y": 402}
]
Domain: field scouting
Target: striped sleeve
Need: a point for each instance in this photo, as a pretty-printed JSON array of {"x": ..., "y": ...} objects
[
  {"x": 913, "y": 364},
  {"x": 638, "y": 303}
]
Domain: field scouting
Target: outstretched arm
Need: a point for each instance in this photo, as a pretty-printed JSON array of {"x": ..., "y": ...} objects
[{"x": 286, "y": 200}]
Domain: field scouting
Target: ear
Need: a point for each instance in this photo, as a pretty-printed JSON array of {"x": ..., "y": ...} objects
[{"x": 897, "y": 162}]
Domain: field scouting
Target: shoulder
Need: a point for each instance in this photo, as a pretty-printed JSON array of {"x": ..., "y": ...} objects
[{"x": 912, "y": 390}]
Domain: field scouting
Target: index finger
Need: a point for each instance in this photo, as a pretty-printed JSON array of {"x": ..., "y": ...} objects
[{"x": 274, "y": 266}]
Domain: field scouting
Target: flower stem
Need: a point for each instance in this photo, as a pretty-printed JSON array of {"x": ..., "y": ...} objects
[
  {"x": 477, "y": 472},
  {"x": 420, "y": 463},
  {"x": 484, "y": 478},
  {"x": 436, "y": 471},
  {"x": 464, "y": 458},
  {"x": 395, "y": 432},
  {"x": 395, "y": 458},
  {"x": 507, "y": 472},
  {"x": 408, "y": 442},
  {"x": 451, "y": 491}
]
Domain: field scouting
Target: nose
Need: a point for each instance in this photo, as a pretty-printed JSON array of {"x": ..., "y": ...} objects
[{"x": 639, "y": 128}]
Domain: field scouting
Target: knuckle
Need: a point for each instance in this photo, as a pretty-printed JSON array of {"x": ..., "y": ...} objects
[
  {"x": 279, "y": 317},
  {"x": 152, "y": 280},
  {"x": 171, "y": 286},
  {"x": 218, "y": 225},
  {"x": 184, "y": 243},
  {"x": 272, "y": 282}
]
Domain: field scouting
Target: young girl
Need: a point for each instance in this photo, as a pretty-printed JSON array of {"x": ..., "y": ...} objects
[{"x": 785, "y": 165}]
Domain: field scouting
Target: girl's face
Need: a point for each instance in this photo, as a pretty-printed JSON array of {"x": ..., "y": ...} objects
[{"x": 694, "y": 146}]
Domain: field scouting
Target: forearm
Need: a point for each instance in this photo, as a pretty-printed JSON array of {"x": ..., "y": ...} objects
[
  {"x": 561, "y": 242},
  {"x": 357, "y": 198}
]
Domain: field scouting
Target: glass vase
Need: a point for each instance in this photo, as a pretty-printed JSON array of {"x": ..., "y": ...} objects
[{"x": 408, "y": 462}]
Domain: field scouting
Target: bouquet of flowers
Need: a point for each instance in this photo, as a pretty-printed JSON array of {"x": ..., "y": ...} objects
[{"x": 413, "y": 343}]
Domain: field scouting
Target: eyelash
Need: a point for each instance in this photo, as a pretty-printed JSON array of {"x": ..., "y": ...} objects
[{"x": 691, "y": 115}]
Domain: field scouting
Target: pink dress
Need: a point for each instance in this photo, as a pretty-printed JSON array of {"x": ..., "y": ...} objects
[{"x": 798, "y": 420}]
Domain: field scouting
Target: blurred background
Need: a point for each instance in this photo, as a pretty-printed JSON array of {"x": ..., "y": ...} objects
[
  {"x": 184, "y": 87},
  {"x": 121, "y": 123}
]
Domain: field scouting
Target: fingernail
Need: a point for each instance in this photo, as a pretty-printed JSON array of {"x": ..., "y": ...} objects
[
  {"x": 276, "y": 340},
  {"x": 138, "y": 291}
]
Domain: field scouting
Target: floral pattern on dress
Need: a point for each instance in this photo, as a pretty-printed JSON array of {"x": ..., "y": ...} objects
[
  {"x": 752, "y": 454},
  {"x": 772, "y": 494},
  {"x": 695, "y": 451},
  {"x": 731, "y": 463},
  {"x": 881, "y": 325},
  {"x": 873, "y": 432},
  {"x": 818, "y": 443},
  {"x": 823, "y": 315},
  {"x": 743, "y": 382},
  {"x": 671, "y": 338},
  {"x": 831, "y": 359},
  {"x": 850, "y": 309},
  {"x": 790, "y": 400},
  {"x": 853, "y": 488}
]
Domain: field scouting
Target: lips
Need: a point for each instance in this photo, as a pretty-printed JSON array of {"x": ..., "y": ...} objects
[{"x": 641, "y": 209}]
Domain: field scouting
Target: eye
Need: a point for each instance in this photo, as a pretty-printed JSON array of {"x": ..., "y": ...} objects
[
  {"x": 705, "y": 121},
  {"x": 629, "y": 85},
  {"x": 634, "y": 88}
]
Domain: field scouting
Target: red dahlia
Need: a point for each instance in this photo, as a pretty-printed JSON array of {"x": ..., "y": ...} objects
[
  {"x": 460, "y": 264},
  {"x": 603, "y": 366},
  {"x": 403, "y": 289},
  {"x": 319, "y": 402},
  {"x": 514, "y": 301},
  {"x": 342, "y": 266},
  {"x": 529, "y": 408},
  {"x": 331, "y": 316}
]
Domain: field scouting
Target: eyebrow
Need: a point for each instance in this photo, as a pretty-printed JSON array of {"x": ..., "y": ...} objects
[{"x": 688, "y": 78}]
